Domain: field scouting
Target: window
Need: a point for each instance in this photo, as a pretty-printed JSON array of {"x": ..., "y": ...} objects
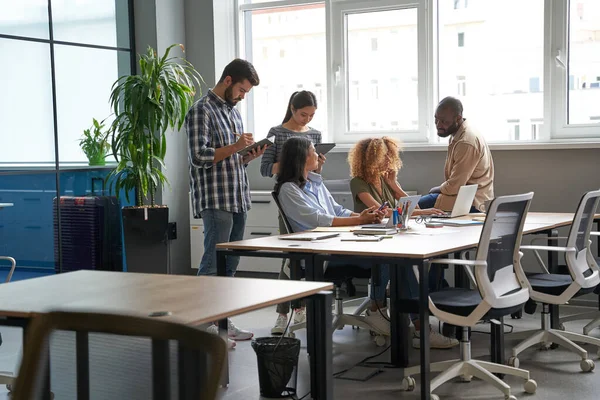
[
  {"x": 584, "y": 61},
  {"x": 499, "y": 67},
  {"x": 376, "y": 92},
  {"x": 544, "y": 71},
  {"x": 83, "y": 51},
  {"x": 297, "y": 35}
]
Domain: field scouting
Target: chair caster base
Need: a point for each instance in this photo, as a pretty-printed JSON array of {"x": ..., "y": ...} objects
[
  {"x": 408, "y": 384},
  {"x": 587, "y": 365},
  {"x": 530, "y": 386}
]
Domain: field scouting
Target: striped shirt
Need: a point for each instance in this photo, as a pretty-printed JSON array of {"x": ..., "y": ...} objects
[
  {"x": 210, "y": 124},
  {"x": 271, "y": 155}
]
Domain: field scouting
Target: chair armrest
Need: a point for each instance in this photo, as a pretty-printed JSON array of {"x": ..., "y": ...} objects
[
  {"x": 549, "y": 248},
  {"x": 542, "y": 238},
  {"x": 594, "y": 233}
]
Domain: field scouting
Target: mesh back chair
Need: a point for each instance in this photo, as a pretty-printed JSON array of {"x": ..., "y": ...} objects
[
  {"x": 6, "y": 377},
  {"x": 498, "y": 293},
  {"x": 548, "y": 288},
  {"x": 338, "y": 276},
  {"x": 136, "y": 364}
]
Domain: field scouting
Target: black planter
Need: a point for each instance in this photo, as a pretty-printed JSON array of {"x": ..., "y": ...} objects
[{"x": 145, "y": 233}]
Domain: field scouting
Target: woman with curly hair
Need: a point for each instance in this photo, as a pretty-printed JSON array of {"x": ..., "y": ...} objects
[{"x": 374, "y": 165}]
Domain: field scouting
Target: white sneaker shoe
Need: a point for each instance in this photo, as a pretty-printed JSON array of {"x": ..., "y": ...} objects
[
  {"x": 280, "y": 325},
  {"x": 379, "y": 324},
  {"x": 213, "y": 329},
  {"x": 236, "y": 333},
  {"x": 436, "y": 341},
  {"x": 299, "y": 315}
]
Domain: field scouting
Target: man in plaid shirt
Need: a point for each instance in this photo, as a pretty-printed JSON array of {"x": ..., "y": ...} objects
[{"x": 218, "y": 180}]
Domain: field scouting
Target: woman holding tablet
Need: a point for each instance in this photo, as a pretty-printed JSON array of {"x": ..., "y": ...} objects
[{"x": 300, "y": 110}]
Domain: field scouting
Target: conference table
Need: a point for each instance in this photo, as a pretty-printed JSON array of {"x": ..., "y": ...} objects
[
  {"x": 406, "y": 249},
  {"x": 188, "y": 300}
]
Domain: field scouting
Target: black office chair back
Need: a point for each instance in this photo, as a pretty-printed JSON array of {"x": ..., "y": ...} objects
[
  {"x": 501, "y": 234},
  {"x": 288, "y": 227},
  {"x": 579, "y": 235},
  {"x": 140, "y": 363}
]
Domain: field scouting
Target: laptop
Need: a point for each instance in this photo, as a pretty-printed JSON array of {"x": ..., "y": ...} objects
[
  {"x": 463, "y": 203},
  {"x": 412, "y": 202}
]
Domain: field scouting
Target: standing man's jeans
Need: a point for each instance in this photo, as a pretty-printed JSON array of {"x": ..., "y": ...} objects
[
  {"x": 428, "y": 201},
  {"x": 220, "y": 227}
]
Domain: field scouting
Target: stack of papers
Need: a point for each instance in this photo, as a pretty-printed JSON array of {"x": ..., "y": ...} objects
[{"x": 375, "y": 231}]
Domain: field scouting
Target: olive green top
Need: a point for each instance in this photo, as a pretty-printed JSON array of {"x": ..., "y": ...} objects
[{"x": 358, "y": 186}]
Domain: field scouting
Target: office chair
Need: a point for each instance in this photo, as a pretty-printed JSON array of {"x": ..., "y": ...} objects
[
  {"x": 338, "y": 276},
  {"x": 593, "y": 315},
  {"x": 200, "y": 358},
  {"x": 548, "y": 288},
  {"x": 497, "y": 293},
  {"x": 6, "y": 377}
]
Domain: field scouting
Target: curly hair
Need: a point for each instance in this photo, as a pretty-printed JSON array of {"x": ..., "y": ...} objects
[{"x": 372, "y": 157}]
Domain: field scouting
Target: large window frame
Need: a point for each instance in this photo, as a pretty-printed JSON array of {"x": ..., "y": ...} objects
[{"x": 555, "y": 131}]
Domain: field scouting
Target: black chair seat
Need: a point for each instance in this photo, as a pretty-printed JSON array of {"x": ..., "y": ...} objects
[
  {"x": 555, "y": 284},
  {"x": 463, "y": 301},
  {"x": 342, "y": 273}
]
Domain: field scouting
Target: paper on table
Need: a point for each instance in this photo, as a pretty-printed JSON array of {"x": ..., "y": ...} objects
[{"x": 336, "y": 228}]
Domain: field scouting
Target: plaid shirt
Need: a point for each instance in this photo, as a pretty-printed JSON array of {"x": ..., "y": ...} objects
[{"x": 210, "y": 124}]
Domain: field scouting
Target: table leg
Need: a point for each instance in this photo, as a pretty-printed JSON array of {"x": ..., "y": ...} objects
[
  {"x": 311, "y": 312},
  {"x": 553, "y": 268},
  {"x": 319, "y": 330},
  {"x": 83, "y": 365},
  {"x": 400, "y": 331},
  {"x": 497, "y": 342},
  {"x": 222, "y": 271},
  {"x": 192, "y": 366},
  {"x": 161, "y": 374},
  {"x": 424, "y": 320}
]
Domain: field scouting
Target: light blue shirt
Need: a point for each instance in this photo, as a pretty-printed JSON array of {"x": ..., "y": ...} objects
[{"x": 311, "y": 206}]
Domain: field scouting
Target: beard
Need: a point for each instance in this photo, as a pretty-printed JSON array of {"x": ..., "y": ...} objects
[
  {"x": 451, "y": 130},
  {"x": 229, "y": 97}
]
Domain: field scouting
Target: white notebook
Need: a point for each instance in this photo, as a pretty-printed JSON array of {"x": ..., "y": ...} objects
[{"x": 308, "y": 236}]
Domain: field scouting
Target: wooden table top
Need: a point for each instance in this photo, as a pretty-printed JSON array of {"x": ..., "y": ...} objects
[
  {"x": 191, "y": 300},
  {"x": 418, "y": 243}
]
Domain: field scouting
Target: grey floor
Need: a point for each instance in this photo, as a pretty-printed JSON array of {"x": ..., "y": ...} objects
[{"x": 557, "y": 372}]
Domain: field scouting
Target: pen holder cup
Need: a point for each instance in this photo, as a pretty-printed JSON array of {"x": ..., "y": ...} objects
[{"x": 403, "y": 225}]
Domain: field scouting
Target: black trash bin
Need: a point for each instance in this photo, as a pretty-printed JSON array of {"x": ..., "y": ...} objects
[{"x": 277, "y": 359}]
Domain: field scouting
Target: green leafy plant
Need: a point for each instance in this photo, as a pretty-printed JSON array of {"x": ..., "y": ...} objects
[
  {"x": 146, "y": 105},
  {"x": 94, "y": 143}
]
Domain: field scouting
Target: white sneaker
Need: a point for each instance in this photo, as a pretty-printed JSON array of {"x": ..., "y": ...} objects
[
  {"x": 378, "y": 322},
  {"x": 236, "y": 333},
  {"x": 299, "y": 315},
  {"x": 215, "y": 331},
  {"x": 280, "y": 325},
  {"x": 436, "y": 341}
]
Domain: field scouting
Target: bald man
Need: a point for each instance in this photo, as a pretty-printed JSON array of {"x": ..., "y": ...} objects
[{"x": 469, "y": 160}]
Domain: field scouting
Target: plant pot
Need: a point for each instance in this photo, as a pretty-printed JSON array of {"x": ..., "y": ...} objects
[
  {"x": 97, "y": 160},
  {"x": 145, "y": 235}
]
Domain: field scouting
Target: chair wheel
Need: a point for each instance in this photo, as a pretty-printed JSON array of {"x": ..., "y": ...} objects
[
  {"x": 561, "y": 326},
  {"x": 587, "y": 365},
  {"x": 434, "y": 397},
  {"x": 517, "y": 315},
  {"x": 554, "y": 346},
  {"x": 466, "y": 378},
  {"x": 510, "y": 397},
  {"x": 408, "y": 384},
  {"x": 9, "y": 387},
  {"x": 530, "y": 386},
  {"x": 379, "y": 340},
  {"x": 291, "y": 335},
  {"x": 513, "y": 362}
]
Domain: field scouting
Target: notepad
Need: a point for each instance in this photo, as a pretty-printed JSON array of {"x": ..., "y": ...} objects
[
  {"x": 308, "y": 236},
  {"x": 253, "y": 146},
  {"x": 375, "y": 231}
]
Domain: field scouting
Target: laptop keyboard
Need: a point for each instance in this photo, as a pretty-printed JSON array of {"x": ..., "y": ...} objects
[{"x": 444, "y": 215}]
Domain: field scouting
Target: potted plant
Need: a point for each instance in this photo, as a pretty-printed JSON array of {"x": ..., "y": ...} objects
[
  {"x": 146, "y": 105},
  {"x": 94, "y": 143}
]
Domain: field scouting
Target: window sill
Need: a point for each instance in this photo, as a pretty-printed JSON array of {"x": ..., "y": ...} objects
[{"x": 552, "y": 145}]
